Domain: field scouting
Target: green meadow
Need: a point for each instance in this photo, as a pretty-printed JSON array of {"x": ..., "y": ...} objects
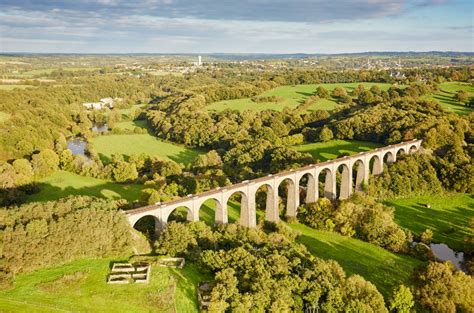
[
  {"x": 445, "y": 97},
  {"x": 292, "y": 95},
  {"x": 130, "y": 125},
  {"x": 80, "y": 286},
  {"x": 383, "y": 268},
  {"x": 142, "y": 143},
  {"x": 62, "y": 184},
  {"x": 333, "y": 149},
  {"x": 448, "y": 216}
]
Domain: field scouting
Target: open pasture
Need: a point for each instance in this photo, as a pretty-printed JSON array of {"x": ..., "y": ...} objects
[
  {"x": 62, "y": 184},
  {"x": 81, "y": 286},
  {"x": 142, "y": 143},
  {"x": 333, "y": 149},
  {"x": 292, "y": 97},
  {"x": 448, "y": 216}
]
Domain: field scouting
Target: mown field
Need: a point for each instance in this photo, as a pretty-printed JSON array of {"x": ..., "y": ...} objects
[
  {"x": 448, "y": 216},
  {"x": 384, "y": 269},
  {"x": 332, "y": 149},
  {"x": 80, "y": 286},
  {"x": 142, "y": 143},
  {"x": 293, "y": 96},
  {"x": 62, "y": 184},
  {"x": 446, "y": 94}
]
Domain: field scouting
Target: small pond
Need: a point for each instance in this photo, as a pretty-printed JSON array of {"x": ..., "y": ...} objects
[
  {"x": 444, "y": 253},
  {"x": 77, "y": 146},
  {"x": 100, "y": 128}
]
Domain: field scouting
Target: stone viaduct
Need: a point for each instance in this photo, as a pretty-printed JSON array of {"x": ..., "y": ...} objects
[{"x": 355, "y": 171}]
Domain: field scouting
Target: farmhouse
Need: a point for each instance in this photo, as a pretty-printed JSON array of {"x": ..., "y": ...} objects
[{"x": 102, "y": 104}]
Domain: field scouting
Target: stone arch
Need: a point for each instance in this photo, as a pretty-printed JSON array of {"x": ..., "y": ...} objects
[
  {"x": 267, "y": 201},
  {"x": 233, "y": 208},
  {"x": 376, "y": 165},
  {"x": 307, "y": 187},
  {"x": 413, "y": 149},
  {"x": 212, "y": 212},
  {"x": 389, "y": 157},
  {"x": 149, "y": 225},
  {"x": 345, "y": 184},
  {"x": 327, "y": 182},
  {"x": 291, "y": 193},
  {"x": 180, "y": 213},
  {"x": 358, "y": 174},
  {"x": 400, "y": 152}
]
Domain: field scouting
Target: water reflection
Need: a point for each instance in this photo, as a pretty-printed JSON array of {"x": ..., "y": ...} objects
[
  {"x": 77, "y": 146},
  {"x": 444, "y": 253}
]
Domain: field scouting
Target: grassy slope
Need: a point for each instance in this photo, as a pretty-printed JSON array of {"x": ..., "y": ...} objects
[
  {"x": 448, "y": 216},
  {"x": 142, "y": 143},
  {"x": 131, "y": 124},
  {"x": 293, "y": 95},
  {"x": 62, "y": 184},
  {"x": 446, "y": 93},
  {"x": 383, "y": 268},
  {"x": 35, "y": 292},
  {"x": 332, "y": 149}
]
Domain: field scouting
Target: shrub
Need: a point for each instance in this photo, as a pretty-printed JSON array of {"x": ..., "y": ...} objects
[
  {"x": 440, "y": 288},
  {"x": 37, "y": 235},
  {"x": 402, "y": 300}
]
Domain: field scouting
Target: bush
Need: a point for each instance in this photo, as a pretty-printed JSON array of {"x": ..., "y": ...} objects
[
  {"x": 38, "y": 235},
  {"x": 402, "y": 300},
  {"x": 440, "y": 288},
  {"x": 360, "y": 216},
  {"x": 411, "y": 175}
]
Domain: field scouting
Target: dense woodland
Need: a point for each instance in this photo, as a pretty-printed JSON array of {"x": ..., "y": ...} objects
[{"x": 253, "y": 269}]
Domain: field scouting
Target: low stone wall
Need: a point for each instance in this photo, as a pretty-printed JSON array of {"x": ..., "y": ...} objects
[{"x": 125, "y": 273}]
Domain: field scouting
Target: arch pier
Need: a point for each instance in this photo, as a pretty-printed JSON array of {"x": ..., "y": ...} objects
[{"x": 354, "y": 172}]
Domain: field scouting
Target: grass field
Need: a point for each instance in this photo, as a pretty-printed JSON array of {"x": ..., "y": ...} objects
[
  {"x": 62, "y": 184},
  {"x": 332, "y": 149},
  {"x": 293, "y": 96},
  {"x": 126, "y": 112},
  {"x": 131, "y": 124},
  {"x": 448, "y": 216},
  {"x": 383, "y": 268},
  {"x": 142, "y": 143},
  {"x": 80, "y": 286},
  {"x": 446, "y": 93}
]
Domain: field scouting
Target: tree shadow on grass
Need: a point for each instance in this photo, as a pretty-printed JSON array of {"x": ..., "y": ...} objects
[
  {"x": 337, "y": 150},
  {"x": 449, "y": 226},
  {"x": 383, "y": 268},
  {"x": 110, "y": 190}
]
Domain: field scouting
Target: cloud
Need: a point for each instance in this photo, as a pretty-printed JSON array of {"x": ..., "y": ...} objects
[
  {"x": 228, "y": 26},
  {"x": 312, "y": 11}
]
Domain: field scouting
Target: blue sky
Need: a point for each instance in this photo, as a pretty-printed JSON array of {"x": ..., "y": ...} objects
[{"x": 237, "y": 26}]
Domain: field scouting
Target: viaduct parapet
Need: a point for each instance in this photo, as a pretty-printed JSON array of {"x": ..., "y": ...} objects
[{"x": 355, "y": 171}]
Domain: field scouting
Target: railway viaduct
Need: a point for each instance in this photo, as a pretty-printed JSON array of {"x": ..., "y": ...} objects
[{"x": 355, "y": 171}]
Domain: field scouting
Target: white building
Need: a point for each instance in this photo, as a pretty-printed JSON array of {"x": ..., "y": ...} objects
[{"x": 102, "y": 104}]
